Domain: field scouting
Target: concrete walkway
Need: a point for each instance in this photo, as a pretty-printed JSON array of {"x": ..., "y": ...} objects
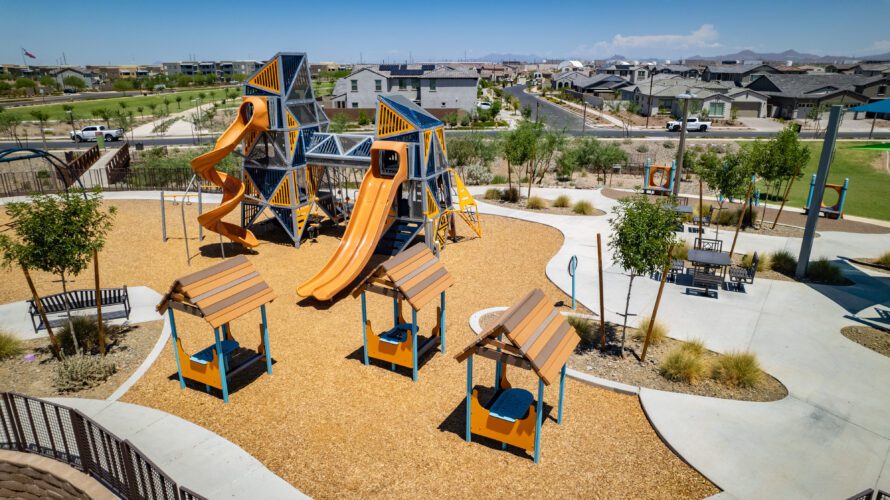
[
  {"x": 15, "y": 318},
  {"x": 830, "y": 438},
  {"x": 194, "y": 457}
]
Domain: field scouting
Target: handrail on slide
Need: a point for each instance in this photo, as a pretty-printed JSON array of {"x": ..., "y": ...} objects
[
  {"x": 366, "y": 225},
  {"x": 252, "y": 116}
]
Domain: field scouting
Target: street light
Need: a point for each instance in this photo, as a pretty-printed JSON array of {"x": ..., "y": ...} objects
[{"x": 685, "y": 97}]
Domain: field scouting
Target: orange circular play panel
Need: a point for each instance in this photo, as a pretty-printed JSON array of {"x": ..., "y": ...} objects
[
  {"x": 839, "y": 189},
  {"x": 664, "y": 178}
]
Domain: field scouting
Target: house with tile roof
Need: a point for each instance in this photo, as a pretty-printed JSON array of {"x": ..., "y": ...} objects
[{"x": 430, "y": 86}]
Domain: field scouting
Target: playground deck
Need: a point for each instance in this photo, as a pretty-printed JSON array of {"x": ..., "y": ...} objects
[{"x": 336, "y": 428}]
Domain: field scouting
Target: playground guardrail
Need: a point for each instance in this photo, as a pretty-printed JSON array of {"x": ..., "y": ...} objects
[{"x": 31, "y": 425}]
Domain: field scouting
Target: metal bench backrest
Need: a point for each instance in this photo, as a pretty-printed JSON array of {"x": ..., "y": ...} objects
[
  {"x": 755, "y": 260},
  {"x": 708, "y": 244}
]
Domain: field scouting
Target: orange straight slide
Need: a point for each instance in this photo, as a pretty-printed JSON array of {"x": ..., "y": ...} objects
[
  {"x": 253, "y": 116},
  {"x": 366, "y": 224}
]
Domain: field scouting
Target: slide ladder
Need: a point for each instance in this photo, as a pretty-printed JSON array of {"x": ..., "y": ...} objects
[
  {"x": 252, "y": 116},
  {"x": 466, "y": 204}
]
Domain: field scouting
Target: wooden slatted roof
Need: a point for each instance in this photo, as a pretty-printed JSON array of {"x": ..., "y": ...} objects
[
  {"x": 219, "y": 293},
  {"x": 539, "y": 337},
  {"x": 415, "y": 273}
]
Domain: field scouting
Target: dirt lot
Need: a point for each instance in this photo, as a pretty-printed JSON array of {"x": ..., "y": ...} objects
[{"x": 336, "y": 428}]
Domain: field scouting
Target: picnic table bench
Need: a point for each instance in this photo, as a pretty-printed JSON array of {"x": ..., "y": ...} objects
[{"x": 77, "y": 300}]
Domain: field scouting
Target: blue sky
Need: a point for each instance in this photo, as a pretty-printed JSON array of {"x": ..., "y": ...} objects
[{"x": 124, "y": 32}]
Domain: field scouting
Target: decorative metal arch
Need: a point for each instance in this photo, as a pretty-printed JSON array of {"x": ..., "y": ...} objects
[{"x": 60, "y": 166}]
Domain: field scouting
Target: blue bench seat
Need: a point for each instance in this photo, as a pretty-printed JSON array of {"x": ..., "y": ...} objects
[
  {"x": 205, "y": 355},
  {"x": 512, "y": 405},
  {"x": 396, "y": 335}
]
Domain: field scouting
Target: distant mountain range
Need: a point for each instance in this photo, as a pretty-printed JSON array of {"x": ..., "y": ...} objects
[{"x": 788, "y": 55}]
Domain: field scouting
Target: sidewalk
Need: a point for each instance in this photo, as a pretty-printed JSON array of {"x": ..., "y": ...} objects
[
  {"x": 193, "y": 456},
  {"x": 830, "y": 438}
]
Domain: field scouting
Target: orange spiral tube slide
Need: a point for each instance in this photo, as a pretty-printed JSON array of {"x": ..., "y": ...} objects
[{"x": 253, "y": 116}]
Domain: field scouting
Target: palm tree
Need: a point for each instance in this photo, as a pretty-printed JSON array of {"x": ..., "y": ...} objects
[
  {"x": 139, "y": 109},
  {"x": 179, "y": 102},
  {"x": 167, "y": 104}
]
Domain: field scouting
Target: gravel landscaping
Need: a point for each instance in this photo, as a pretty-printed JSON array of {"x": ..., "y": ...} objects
[{"x": 872, "y": 338}]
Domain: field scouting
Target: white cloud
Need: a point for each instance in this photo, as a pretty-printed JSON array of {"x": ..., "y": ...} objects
[
  {"x": 704, "y": 37},
  {"x": 882, "y": 45}
]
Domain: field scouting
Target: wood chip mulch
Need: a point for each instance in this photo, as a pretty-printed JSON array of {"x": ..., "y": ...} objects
[
  {"x": 335, "y": 428},
  {"x": 872, "y": 338}
]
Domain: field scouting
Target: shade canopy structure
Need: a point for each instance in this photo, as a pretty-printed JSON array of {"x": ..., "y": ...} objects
[
  {"x": 884, "y": 146},
  {"x": 219, "y": 293},
  {"x": 540, "y": 337},
  {"x": 417, "y": 277},
  {"x": 874, "y": 107}
]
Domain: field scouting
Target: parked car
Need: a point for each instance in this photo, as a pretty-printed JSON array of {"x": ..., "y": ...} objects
[
  {"x": 693, "y": 124},
  {"x": 483, "y": 105},
  {"x": 90, "y": 133}
]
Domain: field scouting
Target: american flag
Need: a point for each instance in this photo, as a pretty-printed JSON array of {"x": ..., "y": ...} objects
[{"x": 32, "y": 56}]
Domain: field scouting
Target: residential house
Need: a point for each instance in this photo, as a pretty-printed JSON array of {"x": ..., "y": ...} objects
[
  {"x": 794, "y": 96},
  {"x": 599, "y": 85},
  {"x": 495, "y": 73},
  {"x": 89, "y": 79},
  {"x": 714, "y": 99},
  {"x": 430, "y": 86},
  {"x": 569, "y": 65},
  {"x": 739, "y": 74},
  {"x": 681, "y": 70},
  {"x": 629, "y": 71}
]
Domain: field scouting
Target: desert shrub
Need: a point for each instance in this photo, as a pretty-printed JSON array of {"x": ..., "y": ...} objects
[
  {"x": 493, "y": 194},
  {"x": 476, "y": 175},
  {"x": 884, "y": 260},
  {"x": 683, "y": 365},
  {"x": 825, "y": 271},
  {"x": 730, "y": 217},
  {"x": 763, "y": 263},
  {"x": 562, "y": 201},
  {"x": 536, "y": 203},
  {"x": 586, "y": 329},
  {"x": 87, "y": 331},
  {"x": 583, "y": 208},
  {"x": 740, "y": 369},
  {"x": 694, "y": 346},
  {"x": 642, "y": 148},
  {"x": 510, "y": 195},
  {"x": 782, "y": 261},
  {"x": 10, "y": 346},
  {"x": 659, "y": 331},
  {"x": 79, "y": 372},
  {"x": 498, "y": 179},
  {"x": 681, "y": 251},
  {"x": 668, "y": 144}
]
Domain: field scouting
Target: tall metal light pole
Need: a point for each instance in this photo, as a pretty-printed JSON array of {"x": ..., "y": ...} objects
[{"x": 685, "y": 97}]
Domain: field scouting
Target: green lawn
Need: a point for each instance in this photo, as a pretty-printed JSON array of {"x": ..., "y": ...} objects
[
  {"x": 84, "y": 109},
  {"x": 868, "y": 194},
  {"x": 321, "y": 89}
]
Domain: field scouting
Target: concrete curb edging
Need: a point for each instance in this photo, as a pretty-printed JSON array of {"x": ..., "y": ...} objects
[
  {"x": 146, "y": 364},
  {"x": 602, "y": 383}
]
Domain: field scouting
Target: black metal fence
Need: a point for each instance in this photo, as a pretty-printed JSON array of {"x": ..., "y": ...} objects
[{"x": 35, "y": 426}]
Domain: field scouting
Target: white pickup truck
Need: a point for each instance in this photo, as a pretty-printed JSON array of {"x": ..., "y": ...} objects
[
  {"x": 693, "y": 124},
  {"x": 90, "y": 133}
]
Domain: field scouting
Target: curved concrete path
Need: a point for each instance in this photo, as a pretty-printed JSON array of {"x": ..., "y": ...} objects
[
  {"x": 830, "y": 438},
  {"x": 193, "y": 456}
]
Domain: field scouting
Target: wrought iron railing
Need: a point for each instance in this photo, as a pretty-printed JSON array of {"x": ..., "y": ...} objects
[{"x": 35, "y": 426}]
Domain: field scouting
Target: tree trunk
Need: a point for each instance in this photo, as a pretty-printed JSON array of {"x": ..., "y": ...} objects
[
  {"x": 784, "y": 199},
  {"x": 626, "y": 308},
  {"x": 54, "y": 343},
  {"x": 99, "y": 323},
  {"x": 68, "y": 315},
  {"x": 531, "y": 179},
  {"x": 509, "y": 175}
]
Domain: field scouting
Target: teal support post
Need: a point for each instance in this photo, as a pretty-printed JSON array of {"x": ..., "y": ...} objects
[
  {"x": 469, "y": 435},
  {"x": 840, "y": 202},
  {"x": 173, "y": 337},
  {"x": 573, "y": 266},
  {"x": 225, "y": 336},
  {"x": 414, "y": 344},
  {"x": 442, "y": 321},
  {"x": 812, "y": 189},
  {"x": 222, "y": 366},
  {"x": 646, "y": 175},
  {"x": 395, "y": 312},
  {"x": 673, "y": 171},
  {"x": 266, "y": 340},
  {"x": 497, "y": 370},
  {"x": 562, "y": 387},
  {"x": 538, "y": 418},
  {"x": 365, "y": 327}
]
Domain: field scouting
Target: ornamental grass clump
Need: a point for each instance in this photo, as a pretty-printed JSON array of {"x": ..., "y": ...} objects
[
  {"x": 79, "y": 372},
  {"x": 583, "y": 208},
  {"x": 563, "y": 201},
  {"x": 10, "y": 346},
  {"x": 782, "y": 261},
  {"x": 739, "y": 369},
  {"x": 536, "y": 203},
  {"x": 659, "y": 331}
]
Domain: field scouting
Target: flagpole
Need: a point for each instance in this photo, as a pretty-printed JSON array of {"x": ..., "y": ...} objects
[{"x": 23, "y": 57}]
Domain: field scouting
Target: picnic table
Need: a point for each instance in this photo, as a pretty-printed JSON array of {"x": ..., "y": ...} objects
[
  {"x": 682, "y": 209},
  {"x": 709, "y": 258},
  {"x": 704, "y": 261}
]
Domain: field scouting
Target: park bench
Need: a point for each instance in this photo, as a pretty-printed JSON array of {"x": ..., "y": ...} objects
[
  {"x": 77, "y": 300},
  {"x": 741, "y": 275}
]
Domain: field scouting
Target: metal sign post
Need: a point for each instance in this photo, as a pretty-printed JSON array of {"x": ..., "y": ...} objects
[{"x": 573, "y": 265}]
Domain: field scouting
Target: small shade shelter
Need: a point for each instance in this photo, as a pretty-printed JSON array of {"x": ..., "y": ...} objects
[
  {"x": 881, "y": 107},
  {"x": 538, "y": 338},
  {"x": 414, "y": 276},
  {"x": 219, "y": 294}
]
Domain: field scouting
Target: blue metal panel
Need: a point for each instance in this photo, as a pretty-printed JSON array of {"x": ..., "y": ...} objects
[
  {"x": 285, "y": 217},
  {"x": 249, "y": 90},
  {"x": 562, "y": 388},
  {"x": 299, "y": 154},
  {"x": 290, "y": 64},
  {"x": 539, "y": 416},
  {"x": 266, "y": 340},
  {"x": 442, "y": 320},
  {"x": 469, "y": 435},
  {"x": 365, "y": 326},
  {"x": 266, "y": 179},
  {"x": 414, "y": 344}
]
